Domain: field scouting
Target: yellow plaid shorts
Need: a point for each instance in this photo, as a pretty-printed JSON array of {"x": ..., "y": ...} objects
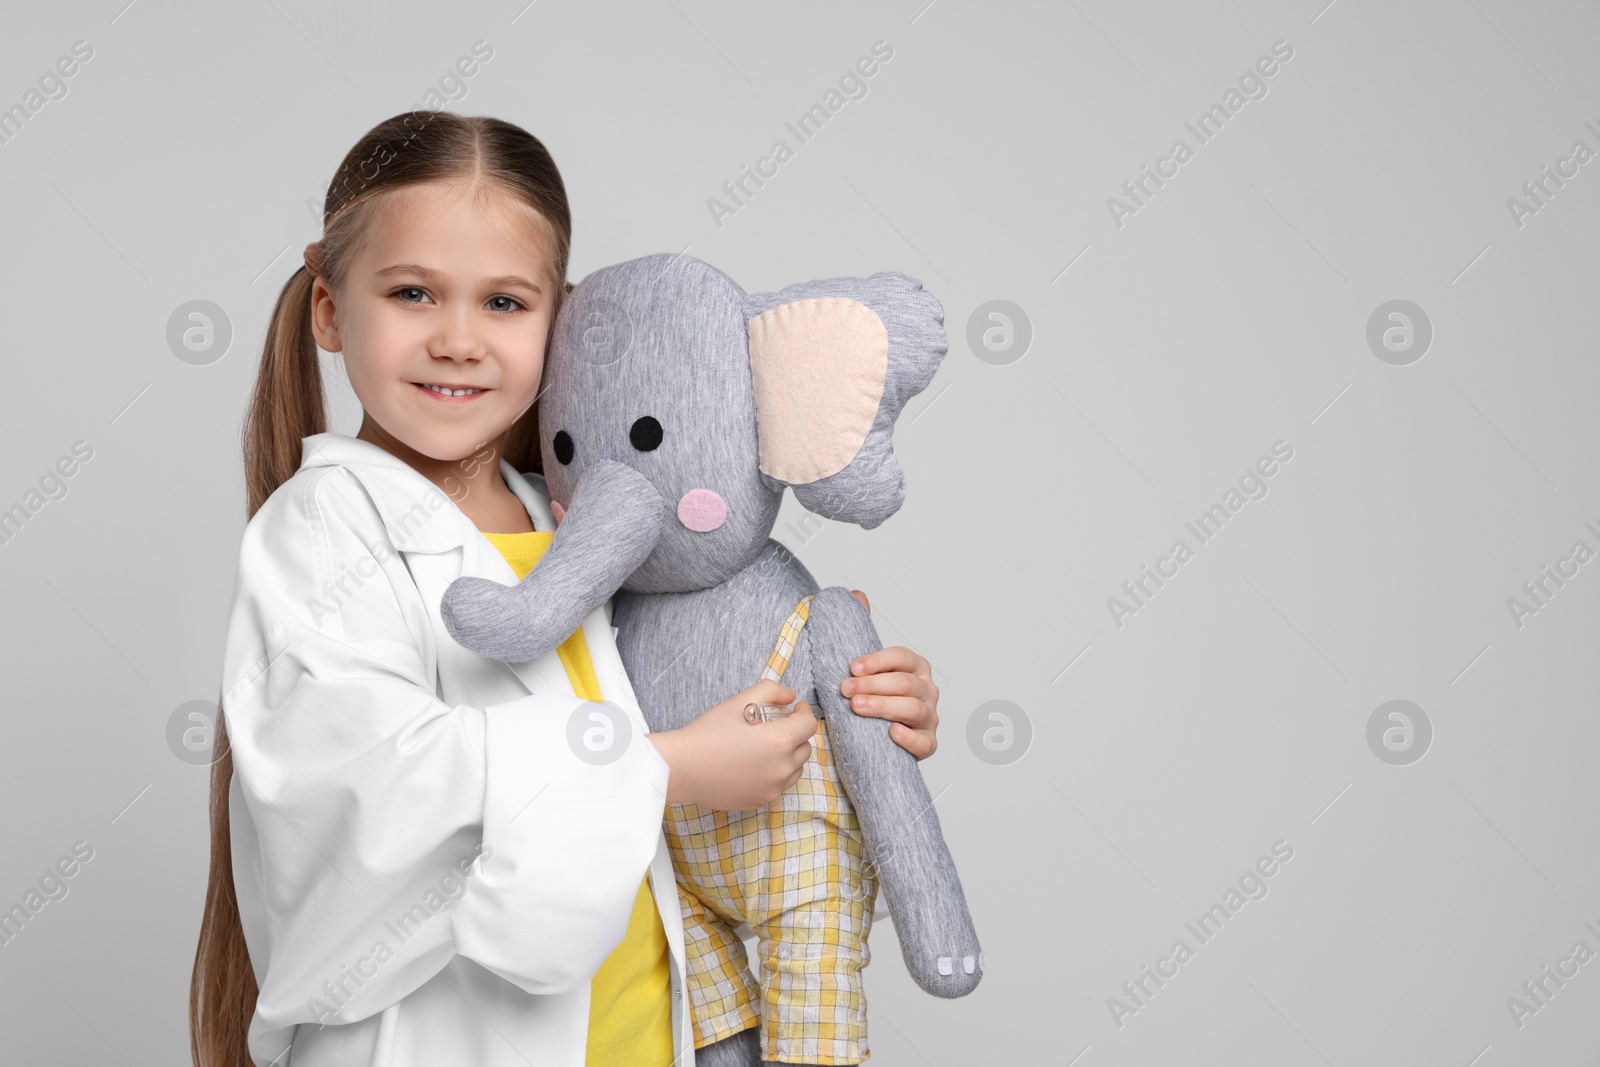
[{"x": 796, "y": 872}]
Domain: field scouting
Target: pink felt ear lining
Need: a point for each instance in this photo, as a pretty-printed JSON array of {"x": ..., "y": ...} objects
[{"x": 818, "y": 368}]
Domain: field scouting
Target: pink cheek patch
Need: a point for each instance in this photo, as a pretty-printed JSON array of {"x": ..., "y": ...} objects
[{"x": 702, "y": 511}]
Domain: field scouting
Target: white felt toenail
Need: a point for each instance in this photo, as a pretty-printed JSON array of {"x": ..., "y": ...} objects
[
  {"x": 980, "y": 961},
  {"x": 944, "y": 965},
  {"x": 967, "y": 963}
]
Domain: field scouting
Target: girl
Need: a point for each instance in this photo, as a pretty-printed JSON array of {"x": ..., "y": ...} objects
[{"x": 409, "y": 866}]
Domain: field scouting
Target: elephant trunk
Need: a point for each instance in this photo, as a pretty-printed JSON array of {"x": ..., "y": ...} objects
[{"x": 613, "y": 522}]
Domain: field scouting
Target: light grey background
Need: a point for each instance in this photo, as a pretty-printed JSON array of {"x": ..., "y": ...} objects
[{"x": 1167, "y": 355}]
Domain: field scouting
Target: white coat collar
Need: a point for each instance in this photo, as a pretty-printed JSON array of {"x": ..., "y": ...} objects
[
  {"x": 424, "y": 524},
  {"x": 410, "y": 505}
]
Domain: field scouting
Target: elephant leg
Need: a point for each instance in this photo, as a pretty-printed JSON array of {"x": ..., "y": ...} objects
[
  {"x": 897, "y": 817},
  {"x": 741, "y": 1050}
]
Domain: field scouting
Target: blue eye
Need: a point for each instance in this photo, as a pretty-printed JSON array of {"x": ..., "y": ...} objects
[
  {"x": 514, "y": 304},
  {"x": 407, "y": 289}
]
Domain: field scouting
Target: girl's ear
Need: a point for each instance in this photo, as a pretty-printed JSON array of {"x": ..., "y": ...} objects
[
  {"x": 832, "y": 364},
  {"x": 324, "y": 321}
]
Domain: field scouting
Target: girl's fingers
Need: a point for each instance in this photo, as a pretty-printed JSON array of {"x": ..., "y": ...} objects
[
  {"x": 907, "y": 711},
  {"x": 767, "y": 691},
  {"x": 920, "y": 743},
  {"x": 894, "y": 683},
  {"x": 893, "y": 658},
  {"x": 913, "y": 719},
  {"x": 799, "y": 726},
  {"x": 866, "y": 693}
]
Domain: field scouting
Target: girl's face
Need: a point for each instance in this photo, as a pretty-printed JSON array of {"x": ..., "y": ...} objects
[{"x": 448, "y": 290}]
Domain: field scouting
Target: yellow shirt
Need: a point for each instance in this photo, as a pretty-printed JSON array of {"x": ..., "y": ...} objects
[{"x": 630, "y": 997}]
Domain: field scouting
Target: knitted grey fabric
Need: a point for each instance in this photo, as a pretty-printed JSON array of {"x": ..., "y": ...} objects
[
  {"x": 741, "y": 1050},
  {"x": 650, "y": 372}
]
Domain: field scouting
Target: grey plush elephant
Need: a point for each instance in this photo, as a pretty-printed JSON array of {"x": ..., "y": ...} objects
[{"x": 677, "y": 409}]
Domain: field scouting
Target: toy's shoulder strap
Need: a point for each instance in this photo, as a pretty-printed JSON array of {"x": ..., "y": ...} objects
[{"x": 788, "y": 637}]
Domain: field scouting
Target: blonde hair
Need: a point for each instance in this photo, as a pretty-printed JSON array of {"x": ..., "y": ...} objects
[{"x": 288, "y": 405}]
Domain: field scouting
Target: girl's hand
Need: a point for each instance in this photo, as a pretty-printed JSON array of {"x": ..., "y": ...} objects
[
  {"x": 721, "y": 761},
  {"x": 896, "y": 684}
]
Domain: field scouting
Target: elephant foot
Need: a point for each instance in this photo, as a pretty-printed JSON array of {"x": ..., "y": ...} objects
[{"x": 926, "y": 904}]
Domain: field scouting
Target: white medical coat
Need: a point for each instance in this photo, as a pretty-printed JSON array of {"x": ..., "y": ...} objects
[{"x": 426, "y": 871}]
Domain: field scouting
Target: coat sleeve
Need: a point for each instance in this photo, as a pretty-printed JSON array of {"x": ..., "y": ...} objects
[{"x": 378, "y": 831}]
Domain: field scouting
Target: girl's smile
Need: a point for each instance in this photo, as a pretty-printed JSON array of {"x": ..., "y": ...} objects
[{"x": 451, "y": 394}]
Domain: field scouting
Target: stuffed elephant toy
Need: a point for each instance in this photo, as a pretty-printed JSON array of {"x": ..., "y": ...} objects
[{"x": 677, "y": 408}]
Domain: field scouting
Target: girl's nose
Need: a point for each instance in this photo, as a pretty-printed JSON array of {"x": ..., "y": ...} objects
[{"x": 702, "y": 510}]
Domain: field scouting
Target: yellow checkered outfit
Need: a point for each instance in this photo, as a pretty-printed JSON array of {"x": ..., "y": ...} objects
[{"x": 795, "y": 871}]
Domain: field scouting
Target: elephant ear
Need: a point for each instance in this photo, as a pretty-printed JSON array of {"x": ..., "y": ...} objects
[{"x": 832, "y": 364}]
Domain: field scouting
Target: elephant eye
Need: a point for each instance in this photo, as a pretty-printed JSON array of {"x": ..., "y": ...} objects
[
  {"x": 646, "y": 434},
  {"x": 563, "y": 443}
]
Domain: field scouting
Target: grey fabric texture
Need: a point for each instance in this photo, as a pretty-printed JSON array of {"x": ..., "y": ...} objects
[
  {"x": 697, "y": 612},
  {"x": 741, "y": 1050},
  {"x": 618, "y": 508}
]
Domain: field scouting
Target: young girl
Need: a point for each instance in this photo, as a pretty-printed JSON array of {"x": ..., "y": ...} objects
[{"x": 409, "y": 865}]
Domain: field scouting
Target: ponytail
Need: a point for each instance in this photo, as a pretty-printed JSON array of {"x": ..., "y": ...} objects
[
  {"x": 288, "y": 402},
  {"x": 222, "y": 987},
  {"x": 287, "y": 405}
]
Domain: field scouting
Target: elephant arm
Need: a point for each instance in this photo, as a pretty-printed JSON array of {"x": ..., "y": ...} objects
[
  {"x": 897, "y": 817},
  {"x": 613, "y": 523}
]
